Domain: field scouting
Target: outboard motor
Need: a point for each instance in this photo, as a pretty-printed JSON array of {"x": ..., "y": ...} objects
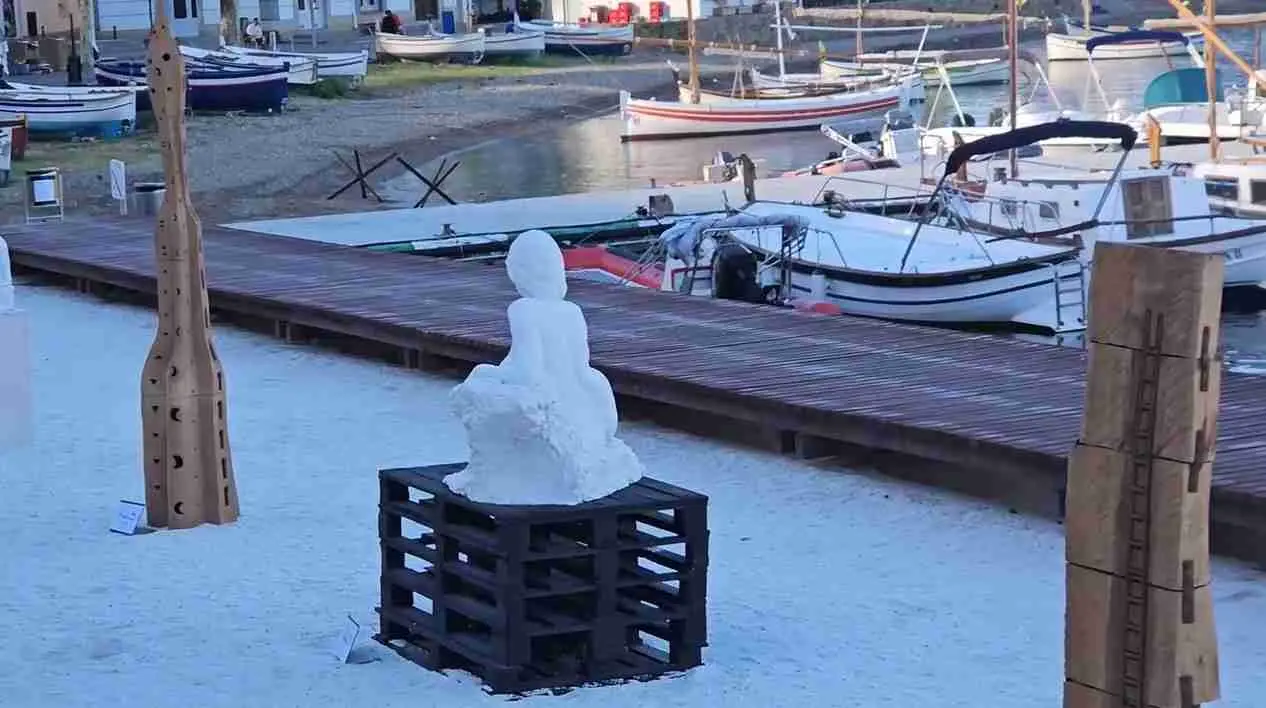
[
  {"x": 996, "y": 116},
  {"x": 734, "y": 274},
  {"x": 967, "y": 120},
  {"x": 898, "y": 120}
]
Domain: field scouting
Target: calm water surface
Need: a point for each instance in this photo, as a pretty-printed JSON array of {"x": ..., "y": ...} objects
[{"x": 588, "y": 155}]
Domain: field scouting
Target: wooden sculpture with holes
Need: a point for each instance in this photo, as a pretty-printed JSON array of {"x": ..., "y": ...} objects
[{"x": 188, "y": 469}]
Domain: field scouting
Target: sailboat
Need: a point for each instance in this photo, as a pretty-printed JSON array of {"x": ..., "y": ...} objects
[{"x": 692, "y": 116}]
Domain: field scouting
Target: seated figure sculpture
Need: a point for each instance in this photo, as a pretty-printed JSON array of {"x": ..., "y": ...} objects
[{"x": 541, "y": 424}]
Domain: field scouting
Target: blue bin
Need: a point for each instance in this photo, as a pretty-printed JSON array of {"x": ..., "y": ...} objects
[{"x": 448, "y": 22}]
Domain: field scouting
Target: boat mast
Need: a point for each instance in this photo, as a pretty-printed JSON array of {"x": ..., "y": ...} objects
[
  {"x": 1211, "y": 81},
  {"x": 1014, "y": 58},
  {"x": 858, "y": 48},
  {"x": 1085, "y": 17},
  {"x": 782, "y": 59},
  {"x": 692, "y": 51}
]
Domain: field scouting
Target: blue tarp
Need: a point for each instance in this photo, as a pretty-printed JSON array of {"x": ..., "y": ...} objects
[{"x": 1178, "y": 86}]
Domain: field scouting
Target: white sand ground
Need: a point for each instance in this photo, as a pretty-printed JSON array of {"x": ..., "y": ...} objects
[{"x": 827, "y": 588}]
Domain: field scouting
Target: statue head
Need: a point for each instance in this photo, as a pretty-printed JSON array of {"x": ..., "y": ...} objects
[{"x": 535, "y": 266}]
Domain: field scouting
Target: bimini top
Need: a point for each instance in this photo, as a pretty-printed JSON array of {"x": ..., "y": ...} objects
[
  {"x": 1036, "y": 133},
  {"x": 1135, "y": 37},
  {"x": 1178, "y": 86}
]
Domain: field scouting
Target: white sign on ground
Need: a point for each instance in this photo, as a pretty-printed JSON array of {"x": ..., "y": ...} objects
[
  {"x": 127, "y": 517},
  {"x": 118, "y": 184},
  {"x": 346, "y": 640}
]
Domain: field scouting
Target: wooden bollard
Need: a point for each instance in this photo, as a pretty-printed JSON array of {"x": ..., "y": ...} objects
[{"x": 1140, "y": 628}]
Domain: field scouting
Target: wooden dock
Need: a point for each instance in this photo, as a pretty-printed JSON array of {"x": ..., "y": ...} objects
[{"x": 990, "y": 415}]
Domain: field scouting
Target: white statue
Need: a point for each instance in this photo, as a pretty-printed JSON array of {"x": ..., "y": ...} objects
[
  {"x": 15, "y": 364},
  {"x": 542, "y": 423}
]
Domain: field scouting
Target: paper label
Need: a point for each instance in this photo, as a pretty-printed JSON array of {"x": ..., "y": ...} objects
[
  {"x": 127, "y": 517},
  {"x": 44, "y": 190}
]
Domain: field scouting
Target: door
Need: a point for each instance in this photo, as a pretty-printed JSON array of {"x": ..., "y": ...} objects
[
  {"x": 184, "y": 17},
  {"x": 311, "y": 13}
]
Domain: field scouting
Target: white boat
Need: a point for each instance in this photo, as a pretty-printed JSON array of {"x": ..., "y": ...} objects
[
  {"x": 1235, "y": 186},
  {"x": 650, "y": 119},
  {"x": 69, "y": 90},
  {"x": 1071, "y": 46},
  {"x": 940, "y": 142},
  {"x": 962, "y": 72},
  {"x": 103, "y": 113},
  {"x": 1017, "y": 250},
  {"x": 567, "y": 38},
  {"x": 821, "y": 84},
  {"x": 300, "y": 71},
  {"x": 1154, "y": 206},
  {"x": 431, "y": 47},
  {"x": 328, "y": 64},
  {"x": 518, "y": 43},
  {"x": 1178, "y": 99}
]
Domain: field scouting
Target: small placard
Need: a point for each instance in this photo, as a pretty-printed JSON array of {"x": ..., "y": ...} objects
[
  {"x": 118, "y": 180},
  {"x": 127, "y": 518},
  {"x": 346, "y": 641}
]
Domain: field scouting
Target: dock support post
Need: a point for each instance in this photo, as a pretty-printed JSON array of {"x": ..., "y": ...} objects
[
  {"x": 188, "y": 470},
  {"x": 1140, "y": 629}
]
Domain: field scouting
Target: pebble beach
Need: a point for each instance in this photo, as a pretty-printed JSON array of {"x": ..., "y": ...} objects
[{"x": 244, "y": 165}]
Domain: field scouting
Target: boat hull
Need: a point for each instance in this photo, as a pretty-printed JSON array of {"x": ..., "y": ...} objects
[
  {"x": 209, "y": 90},
  {"x": 514, "y": 44},
  {"x": 50, "y": 113},
  {"x": 430, "y": 47},
  {"x": 328, "y": 65},
  {"x": 1072, "y": 47},
  {"x": 648, "y": 120},
  {"x": 301, "y": 71},
  {"x": 572, "y": 39}
]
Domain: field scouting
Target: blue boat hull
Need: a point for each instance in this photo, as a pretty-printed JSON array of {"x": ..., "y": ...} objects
[
  {"x": 559, "y": 46},
  {"x": 210, "y": 90}
]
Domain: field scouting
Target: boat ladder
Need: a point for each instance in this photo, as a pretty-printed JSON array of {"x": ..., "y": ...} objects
[{"x": 1069, "y": 278}]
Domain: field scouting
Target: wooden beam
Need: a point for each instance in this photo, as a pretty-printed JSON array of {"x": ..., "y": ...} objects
[
  {"x": 1211, "y": 36},
  {"x": 188, "y": 467},
  {"x": 1139, "y": 629}
]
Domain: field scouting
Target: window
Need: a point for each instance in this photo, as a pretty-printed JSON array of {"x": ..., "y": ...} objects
[
  {"x": 268, "y": 10},
  {"x": 180, "y": 9},
  {"x": 1048, "y": 210},
  {"x": 1257, "y": 191},
  {"x": 1009, "y": 207},
  {"x": 369, "y": 4},
  {"x": 1148, "y": 211},
  {"x": 302, "y": 5},
  {"x": 1222, "y": 188}
]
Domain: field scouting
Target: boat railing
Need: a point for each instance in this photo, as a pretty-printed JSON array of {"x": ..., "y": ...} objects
[{"x": 857, "y": 194}]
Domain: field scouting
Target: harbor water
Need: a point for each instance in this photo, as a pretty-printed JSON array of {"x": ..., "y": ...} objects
[{"x": 588, "y": 155}]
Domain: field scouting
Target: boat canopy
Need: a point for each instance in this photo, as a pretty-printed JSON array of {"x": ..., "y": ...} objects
[
  {"x": 1178, "y": 86},
  {"x": 1134, "y": 37},
  {"x": 1029, "y": 135}
]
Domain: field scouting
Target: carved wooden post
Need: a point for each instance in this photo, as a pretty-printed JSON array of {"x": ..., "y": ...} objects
[
  {"x": 1140, "y": 626},
  {"x": 188, "y": 469}
]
